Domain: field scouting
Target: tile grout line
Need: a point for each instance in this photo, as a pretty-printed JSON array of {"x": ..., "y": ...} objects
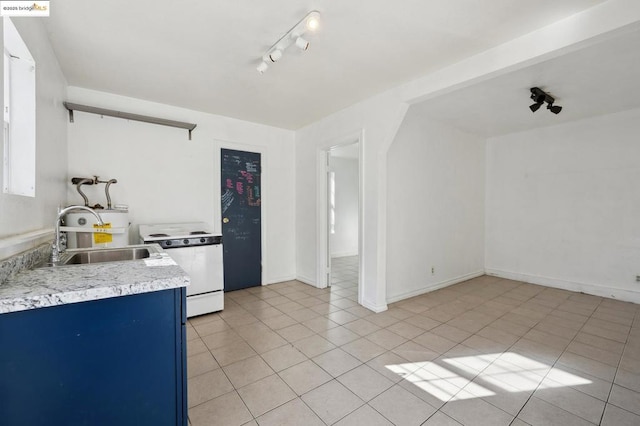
[
  {"x": 310, "y": 359},
  {"x": 257, "y": 354},
  {"x": 613, "y": 382},
  {"x": 521, "y": 337},
  {"x": 556, "y": 361},
  {"x": 276, "y": 372},
  {"x": 474, "y": 334},
  {"x": 315, "y": 363},
  {"x": 387, "y": 350},
  {"x": 225, "y": 374},
  {"x": 509, "y": 347}
]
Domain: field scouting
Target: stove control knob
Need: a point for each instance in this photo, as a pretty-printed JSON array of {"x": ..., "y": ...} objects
[
  {"x": 185, "y": 241},
  {"x": 168, "y": 243},
  {"x": 202, "y": 240}
]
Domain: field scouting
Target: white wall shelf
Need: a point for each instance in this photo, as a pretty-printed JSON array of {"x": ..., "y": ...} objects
[{"x": 127, "y": 116}]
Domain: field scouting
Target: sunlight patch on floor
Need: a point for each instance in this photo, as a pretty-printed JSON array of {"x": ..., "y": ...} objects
[{"x": 483, "y": 375}]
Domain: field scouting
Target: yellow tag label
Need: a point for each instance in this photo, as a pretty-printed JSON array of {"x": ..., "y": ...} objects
[{"x": 99, "y": 234}]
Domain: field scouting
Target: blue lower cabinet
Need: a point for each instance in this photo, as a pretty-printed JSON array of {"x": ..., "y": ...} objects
[{"x": 116, "y": 361}]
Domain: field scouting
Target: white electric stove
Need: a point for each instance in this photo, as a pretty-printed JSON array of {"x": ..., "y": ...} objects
[{"x": 199, "y": 252}]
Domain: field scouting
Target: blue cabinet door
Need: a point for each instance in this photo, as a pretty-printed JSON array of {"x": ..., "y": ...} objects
[{"x": 117, "y": 361}]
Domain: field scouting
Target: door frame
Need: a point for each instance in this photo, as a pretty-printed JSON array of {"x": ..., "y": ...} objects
[
  {"x": 323, "y": 265},
  {"x": 219, "y": 145}
]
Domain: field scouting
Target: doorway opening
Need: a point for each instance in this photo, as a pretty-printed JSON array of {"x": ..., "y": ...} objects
[{"x": 343, "y": 194}]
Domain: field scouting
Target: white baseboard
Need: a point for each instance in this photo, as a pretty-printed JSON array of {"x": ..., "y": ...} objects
[
  {"x": 595, "y": 290},
  {"x": 306, "y": 280},
  {"x": 373, "y": 307},
  {"x": 278, "y": 279},
  {"x": 434, "y": 287}
]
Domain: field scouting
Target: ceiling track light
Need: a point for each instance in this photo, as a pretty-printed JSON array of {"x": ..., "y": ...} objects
[
  {"x": 262, "y": 67},
  {"x": 275, "y": 55},
  {"x": 310, "y": 23},
  {"x": 301, "y": 43},
  {"x": 539, "y": 96},
  {"x": 533, "y": 107},
  {"x": 554, "y": 108}
]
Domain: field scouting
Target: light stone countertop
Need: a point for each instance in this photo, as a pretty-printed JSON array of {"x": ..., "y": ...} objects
[{"x": 52, "y": 286}]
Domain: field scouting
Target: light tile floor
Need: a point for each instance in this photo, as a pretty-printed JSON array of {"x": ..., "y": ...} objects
[
  {"x": 344, "y": 273},
  {"x": 487, "y": 351}
]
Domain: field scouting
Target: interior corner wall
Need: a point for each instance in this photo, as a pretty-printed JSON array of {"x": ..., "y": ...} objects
[
  {"x": 19, "y": 214},
  {"x": 563, "y": 204},
  {"x": 376, "y": 119},
  {"x": 344, "y": 240},
  {"x": 166, "y": 178},
  {"x": 435, "y": 213}
]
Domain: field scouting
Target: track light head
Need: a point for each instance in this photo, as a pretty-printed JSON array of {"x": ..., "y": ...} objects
[
  {"x": 312, "y": 21},
  {"x": 262, "y": 67},
  {"x": 535, "y": 107},
  {"x": 275, "y": 55},
  {"x": 537, "y": 95},
  {"x": 305, "y": 26},
  {"x": 540, "y": 97},
  {"x": 554, "y": 108},
  {"x": 301, "y": 43}
]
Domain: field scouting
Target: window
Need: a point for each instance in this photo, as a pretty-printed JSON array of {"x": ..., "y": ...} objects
[
  {"x": 19, "y": 166},
  {"x": 332, "y": 202}
]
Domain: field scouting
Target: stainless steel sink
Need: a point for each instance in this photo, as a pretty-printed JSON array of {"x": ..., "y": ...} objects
[
  {"x": 105, "y": 256},
  {"x": 101, "y": 255}
]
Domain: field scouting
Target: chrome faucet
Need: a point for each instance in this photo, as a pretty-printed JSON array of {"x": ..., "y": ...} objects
[{"x": 57, "y": 250}]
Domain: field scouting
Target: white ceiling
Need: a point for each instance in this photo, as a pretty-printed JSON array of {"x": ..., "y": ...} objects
[
  {"x": 599, "y": 79},
  {"x": 202, "y": 54}
]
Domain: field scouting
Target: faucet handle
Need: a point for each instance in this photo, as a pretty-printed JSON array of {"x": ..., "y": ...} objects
[{"x": 55, "y": 255}]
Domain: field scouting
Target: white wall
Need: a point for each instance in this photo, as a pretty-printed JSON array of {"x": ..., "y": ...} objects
[
  {"x": 164, "y": 177},
  {"x": 378, "y": 118},
  {"x": 435, "y": 213},
  {"x": 563, "y": 206},
  {"x": 344, "y": 241},
  {"x": 20, "y": 214}
]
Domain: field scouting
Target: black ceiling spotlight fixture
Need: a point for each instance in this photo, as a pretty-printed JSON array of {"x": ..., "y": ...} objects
[{"x": 540, "y": 97}]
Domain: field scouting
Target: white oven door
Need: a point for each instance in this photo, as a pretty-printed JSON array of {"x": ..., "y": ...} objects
[{"x": 203, "y": 264}]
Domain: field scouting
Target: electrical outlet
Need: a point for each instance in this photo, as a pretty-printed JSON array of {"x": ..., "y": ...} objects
[
  {"x": 433, "y": 270},
  {"x": 638, "y": 278}
]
